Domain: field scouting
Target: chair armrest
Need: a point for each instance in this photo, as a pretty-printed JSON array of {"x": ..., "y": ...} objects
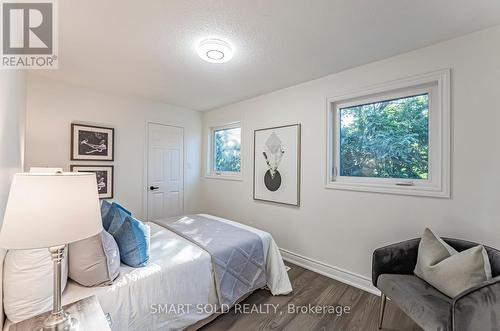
[
  {"x": 399, "y": 258},
  {"x": 478, "y": 308}
]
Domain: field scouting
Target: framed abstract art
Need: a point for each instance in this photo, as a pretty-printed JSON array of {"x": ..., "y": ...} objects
[
  {"x": 92, "y": 143},
  {"x": 104, "y": 177},
  {"x": 277, "y": 165}
]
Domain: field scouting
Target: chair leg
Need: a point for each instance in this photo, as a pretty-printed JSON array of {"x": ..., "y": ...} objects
[{"x": 383, "y": 300}]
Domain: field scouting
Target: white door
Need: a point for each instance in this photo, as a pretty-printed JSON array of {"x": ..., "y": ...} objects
[{"x": 165, "y": 171}]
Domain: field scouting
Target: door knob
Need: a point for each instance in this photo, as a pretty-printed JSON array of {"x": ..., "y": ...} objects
[{"x": 152, "y": 188}]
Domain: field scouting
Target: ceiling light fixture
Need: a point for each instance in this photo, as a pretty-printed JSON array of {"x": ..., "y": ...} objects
[{"x": 215, "y": 50}]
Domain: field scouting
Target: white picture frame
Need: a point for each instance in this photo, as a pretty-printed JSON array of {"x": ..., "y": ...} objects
[{"x": 276, "y": 168}]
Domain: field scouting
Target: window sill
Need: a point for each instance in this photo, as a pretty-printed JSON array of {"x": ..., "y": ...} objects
[
  {"x": 434, "y": 192},
  {"x": 225, "y": 177}
]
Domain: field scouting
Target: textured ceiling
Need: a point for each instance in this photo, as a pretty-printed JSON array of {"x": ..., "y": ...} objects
[{"x": 146, "y": 48}]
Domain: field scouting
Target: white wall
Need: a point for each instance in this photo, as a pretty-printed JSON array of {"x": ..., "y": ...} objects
[
  {"x": 53, "y": 106},
  {"x": 12, "y": 124},
  {"x": 340, "y": 229}
]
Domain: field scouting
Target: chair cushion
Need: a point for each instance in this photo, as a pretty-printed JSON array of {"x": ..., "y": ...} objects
[
  {"x": 493, "y": 254},
  {"x": 428, "y": 307},
  {"x": 450, "y": 271}
]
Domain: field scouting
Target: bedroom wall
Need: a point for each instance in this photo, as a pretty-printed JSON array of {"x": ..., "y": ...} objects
[
  {"x": 12, "y": 125},
  {"x": 53, "y": 105},
  {"x": 336, "y": 231}
]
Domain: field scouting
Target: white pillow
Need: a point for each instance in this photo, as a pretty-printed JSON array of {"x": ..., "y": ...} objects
[{"x": 28, "y": 282}]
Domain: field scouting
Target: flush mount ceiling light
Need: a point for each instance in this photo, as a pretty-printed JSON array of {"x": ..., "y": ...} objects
[{"x": 215, "y": 50}]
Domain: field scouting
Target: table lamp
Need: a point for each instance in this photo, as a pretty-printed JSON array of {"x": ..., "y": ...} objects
[{"x": 50, "y": 210}]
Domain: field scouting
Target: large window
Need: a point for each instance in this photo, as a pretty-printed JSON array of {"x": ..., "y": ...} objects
[
  {"x": 393, "y": 138},
  {"x": 386, "y": 139},
  {"x": 225, "y": 151}
]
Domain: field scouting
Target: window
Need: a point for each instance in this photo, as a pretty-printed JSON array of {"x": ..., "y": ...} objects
[
  {"x": 386, "y": 139},
  {"x": 392, "y": 139},
  {"x": 225, "y": 151}
]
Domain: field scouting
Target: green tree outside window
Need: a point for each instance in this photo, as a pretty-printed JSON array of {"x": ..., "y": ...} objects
[
  {"x": 388, "y": 139},
  {"x": 227, "y": 145}
]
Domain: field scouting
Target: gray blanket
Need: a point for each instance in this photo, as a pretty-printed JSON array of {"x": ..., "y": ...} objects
[{"x": 237, "y": 254}]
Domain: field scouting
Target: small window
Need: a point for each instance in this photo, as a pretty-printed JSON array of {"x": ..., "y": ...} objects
[
  {"x": 392, "y": 139},
  {"x": 225, "y": 151}
]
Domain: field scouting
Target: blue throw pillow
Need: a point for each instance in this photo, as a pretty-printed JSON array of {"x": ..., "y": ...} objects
[
  {"x": 133, "y": 239},
  {"x": 116, "y": 221},
  {"x": 117, "y": 205},
  {"x": 105, "y": 210},
  {"x": 109, "y": 211}
]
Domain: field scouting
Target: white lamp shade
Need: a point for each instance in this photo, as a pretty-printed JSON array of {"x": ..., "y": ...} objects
[{"x": 45, "y": 210}]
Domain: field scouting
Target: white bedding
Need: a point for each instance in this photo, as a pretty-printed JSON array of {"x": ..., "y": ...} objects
[{"x": 179, "y": 272}]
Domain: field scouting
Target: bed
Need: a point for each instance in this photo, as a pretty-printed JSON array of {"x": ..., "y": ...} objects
[{"x": 176, "y": 290}]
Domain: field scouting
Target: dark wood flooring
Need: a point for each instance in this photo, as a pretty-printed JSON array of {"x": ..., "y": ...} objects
[{"x": 312, "y": 288}]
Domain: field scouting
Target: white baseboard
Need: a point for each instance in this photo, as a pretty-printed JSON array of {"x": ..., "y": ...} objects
[{"x": 344, "y": 276}]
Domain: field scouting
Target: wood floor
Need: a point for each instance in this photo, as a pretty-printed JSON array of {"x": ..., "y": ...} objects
[{"x": 312, "y": 288}]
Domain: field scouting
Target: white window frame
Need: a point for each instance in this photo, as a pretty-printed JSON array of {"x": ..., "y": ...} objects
[
  {"x": 228, "y": 175},
  {"x": 437, "y": 85}
]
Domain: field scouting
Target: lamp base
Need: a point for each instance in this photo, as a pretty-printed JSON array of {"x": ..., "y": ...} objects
[{"x": 60, "y": 321}]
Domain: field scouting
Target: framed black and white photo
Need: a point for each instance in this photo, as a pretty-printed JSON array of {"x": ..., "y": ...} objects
[
  {"x": 92, "y": 143},
  {"x": 277, "y": 165},
  {"x": 104, "y": 178}
]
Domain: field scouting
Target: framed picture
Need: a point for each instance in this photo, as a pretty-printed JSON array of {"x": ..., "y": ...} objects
[
  {"x": 92, "y": 143},
  {"x": 104, "y": 176},
  {"x": 276, "y": 171}
]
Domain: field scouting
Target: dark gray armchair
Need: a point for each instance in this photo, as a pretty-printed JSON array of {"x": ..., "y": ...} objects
[{"x": 477, "y": 309}]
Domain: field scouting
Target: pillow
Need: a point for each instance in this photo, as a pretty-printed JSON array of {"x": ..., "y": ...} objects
[
  {"x": 449, "y": 271},
  {"x": 94, "y": 261},
  {"x": 117, "y": 205},
  {"x": 108, "y": 211},
  {"x": 28, "y": 282},
  {"x": 117, "y": 220},
  {"x": 105, "y": 208},
  {"x": 133, "y": 238}
]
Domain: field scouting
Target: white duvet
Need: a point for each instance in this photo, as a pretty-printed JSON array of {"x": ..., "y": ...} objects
[{"x": 179, "y": 272}]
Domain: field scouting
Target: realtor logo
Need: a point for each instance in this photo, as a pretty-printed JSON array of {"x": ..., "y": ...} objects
[{"x": 29, "y": 39}]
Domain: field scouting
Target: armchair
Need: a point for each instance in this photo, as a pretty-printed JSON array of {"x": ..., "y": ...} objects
[{"x": 475, "y": 309}]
